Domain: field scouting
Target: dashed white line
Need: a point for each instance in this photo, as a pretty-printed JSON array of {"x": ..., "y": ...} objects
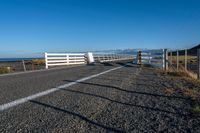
[{"x": 43, "y": 93}]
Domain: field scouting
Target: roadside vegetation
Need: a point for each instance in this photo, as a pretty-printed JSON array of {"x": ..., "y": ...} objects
[
  {"x": 189, "y": 89},
  {"x": 17, "y": 66},
  {"x": 190, "y": 59},
  {"x": 38, "y": 62},
  {"x": 4, "y": 70}
]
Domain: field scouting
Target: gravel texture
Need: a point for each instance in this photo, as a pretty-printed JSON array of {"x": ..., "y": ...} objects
[{"x": 130, "y": 99}]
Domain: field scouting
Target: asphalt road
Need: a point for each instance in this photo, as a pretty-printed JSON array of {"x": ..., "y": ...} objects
[{"x": 129, "y": 99}]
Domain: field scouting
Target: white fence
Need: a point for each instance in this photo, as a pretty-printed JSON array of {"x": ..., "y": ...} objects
[
  {"x": 112, "y": 57},
  {"x": 59, "y": 59}
]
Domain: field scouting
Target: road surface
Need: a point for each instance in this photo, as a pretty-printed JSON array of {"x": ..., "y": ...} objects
[{"x": 110, "y": 97}]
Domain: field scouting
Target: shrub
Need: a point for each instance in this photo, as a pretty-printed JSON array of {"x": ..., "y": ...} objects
[
  {"x": 38, "y": 62},
  {"x": 192, "y": 93},
  {"x": 196, "y": 109},
  {"x": 179, "y": 74},
  {"x": 4, "y": 70},
  {"x": 169, "y": 91}
]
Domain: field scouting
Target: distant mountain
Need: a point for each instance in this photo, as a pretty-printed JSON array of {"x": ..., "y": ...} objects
[
  {"x": 191, "y": 51},
  {"x": 117, "y": 51}
]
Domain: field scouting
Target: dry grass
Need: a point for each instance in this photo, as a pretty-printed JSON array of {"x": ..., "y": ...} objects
[
  {"x": 179, "y": 74},
  {"x": 4, "y": 70},
  {"x": 195, "y": 95},
  {"x": 196, "y": 109},
  {"x": 182, "y": 72},
  {"x": 38, "y": 62},
  {"x": 190, "y": 59},
  {"x": 169, "y": 91}
]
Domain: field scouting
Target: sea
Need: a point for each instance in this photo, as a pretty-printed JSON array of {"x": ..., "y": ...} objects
[{"x": 16, "y": 59}]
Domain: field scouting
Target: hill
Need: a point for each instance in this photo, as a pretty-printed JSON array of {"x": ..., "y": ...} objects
[{"x": 191, "y": 51}]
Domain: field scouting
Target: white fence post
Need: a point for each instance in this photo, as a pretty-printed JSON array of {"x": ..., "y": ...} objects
[
  {"x": 163, "y": 59},
  {"x": 46, "y": 61},
  {"x": 166, "y": 59},
  {"x": 67, "y": 56},
  {"x": 24, "y": 66},
  {"x": 90, "y": 57}
]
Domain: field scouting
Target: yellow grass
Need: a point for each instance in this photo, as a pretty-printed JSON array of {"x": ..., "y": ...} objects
[
  {"x": 4, "y": 70},
  {"x": 38, "y": 62},
  {"x": 169, "y": 91},
  {"x": 190, "y": 59},
  {"x": 191, "y": 93},
  {"x": 196, "y": 109}
]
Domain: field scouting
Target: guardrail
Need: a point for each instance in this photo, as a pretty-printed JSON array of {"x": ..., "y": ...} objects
[
  {"x": 112, "y": 57},
  {"x": 59, "y": 59}
]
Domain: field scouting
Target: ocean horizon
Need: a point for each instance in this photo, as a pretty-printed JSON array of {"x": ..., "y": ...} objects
[{"x": 18, "y": 59}]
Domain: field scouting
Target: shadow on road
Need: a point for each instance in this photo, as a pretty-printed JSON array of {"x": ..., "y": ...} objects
[
  {"x": 124, "y": 103},
  {"x": 129, "y": 91},
  {"x": 125, "y": 64},
  {"x": 106, "y": 64},
  {"x": 79, "y": 116}
]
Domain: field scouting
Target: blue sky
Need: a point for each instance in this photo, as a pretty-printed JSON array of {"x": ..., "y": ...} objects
[{"x": 31, "y": 27}]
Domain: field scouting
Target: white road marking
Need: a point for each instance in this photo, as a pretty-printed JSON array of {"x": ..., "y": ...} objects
[{"x": 43, "y": 93}]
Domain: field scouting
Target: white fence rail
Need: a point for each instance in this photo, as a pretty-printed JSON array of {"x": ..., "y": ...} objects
[
  {"x": 59, "y": 59},
  {"x": 112, "y": 57}
]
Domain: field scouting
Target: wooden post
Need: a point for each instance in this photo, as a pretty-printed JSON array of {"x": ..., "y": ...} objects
[
  {"x": 198, "y": 61},
  {"x": 139, "y": 61},
  {"x": 24, "y": 65},
  {"x": 177, "y": 60},
  {"x": 186, "y": 59}
]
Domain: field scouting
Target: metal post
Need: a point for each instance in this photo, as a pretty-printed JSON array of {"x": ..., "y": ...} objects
[
  {"x": 46, "y": 61},
  {"x": 186, "y": 59},
  {"x": 171, "y": 61},
  {"x": 163, "y": 58},
  {"x": 198, "y": 57},
  {"x": 24, "y": 65},
  {"x": 166, "y": 59},
  {"x": 177, "y": 59},
  {"x": 149, "y": 58}
]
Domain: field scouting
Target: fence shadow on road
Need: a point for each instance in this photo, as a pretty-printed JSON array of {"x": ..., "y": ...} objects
[
  {"x": 125, "y": 64},
  {"x": 129, "y": 91},
  {"x": 106, "y": 64},
  {"x": 124, "y": 103},
  {"x": 79, "y": 116}
]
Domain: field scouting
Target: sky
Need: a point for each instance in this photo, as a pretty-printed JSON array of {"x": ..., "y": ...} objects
[{"x": 29, "y": 28}]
